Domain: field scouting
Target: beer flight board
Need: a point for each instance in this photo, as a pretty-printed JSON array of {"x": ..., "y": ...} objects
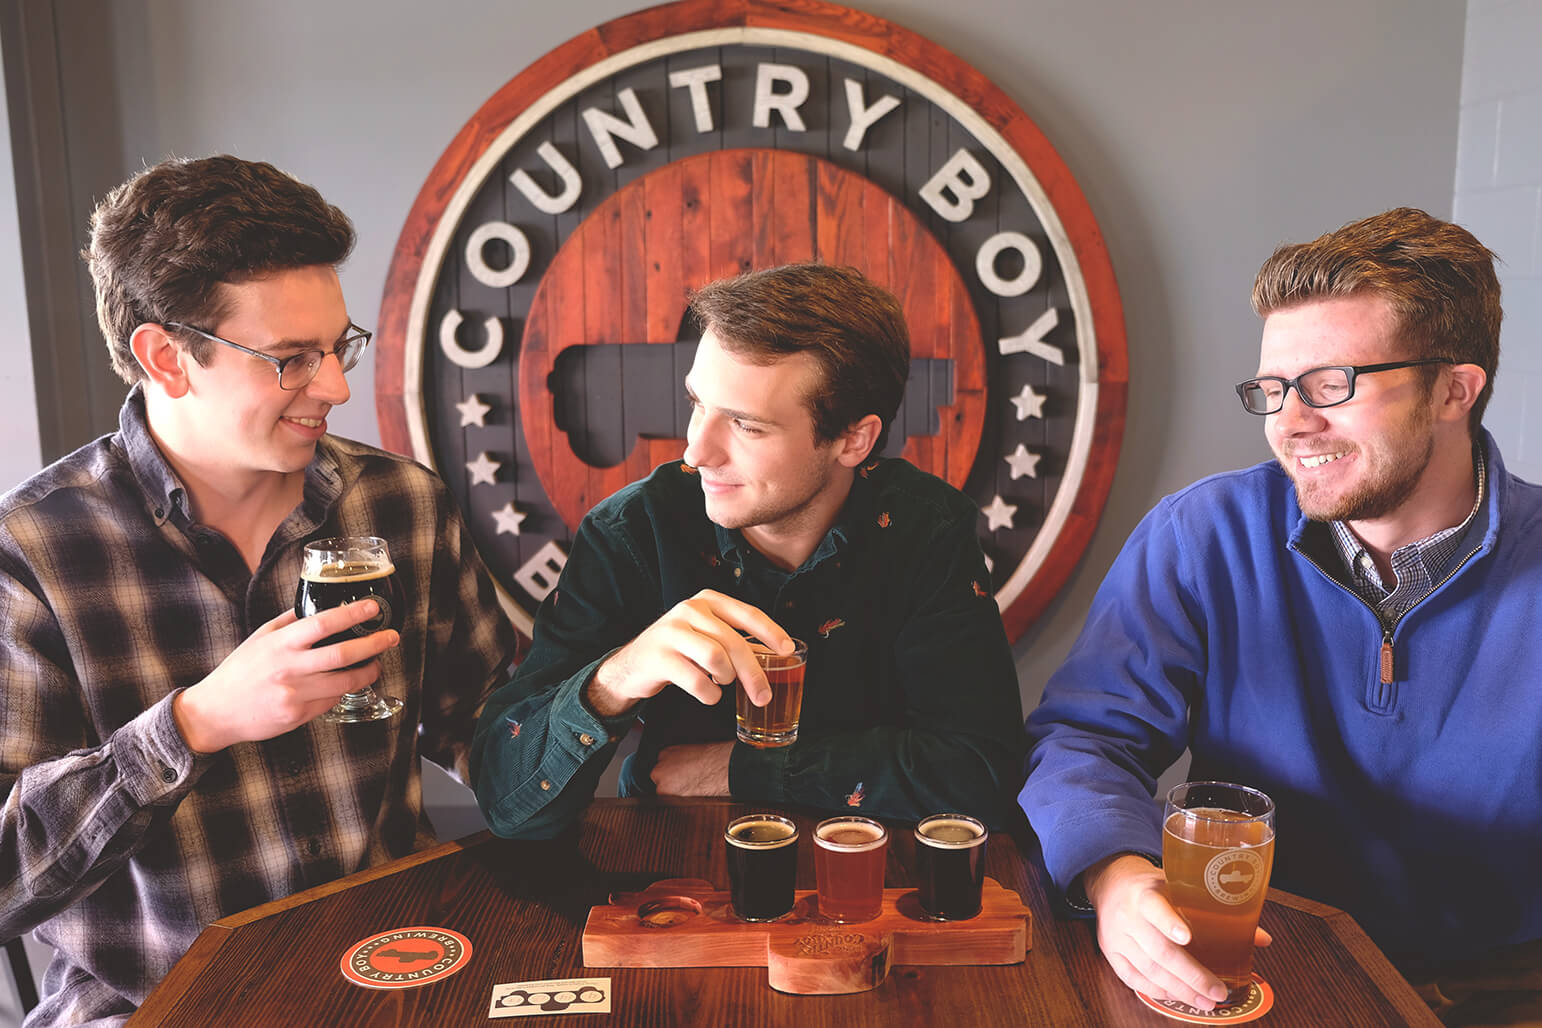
[{"x": 686, "y": 922}]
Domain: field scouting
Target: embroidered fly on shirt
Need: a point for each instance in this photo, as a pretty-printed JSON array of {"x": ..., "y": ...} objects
[
  {"x": 864, "y": 470},
  {"x": 830, "y": 626},
  {"x": 979, "y": 590},
  {"x": 884, "y": 520},
  {"x": 855, "y": 797},
  {"x": 687, "y": 468},
  {"x": 514, "y": 727}
]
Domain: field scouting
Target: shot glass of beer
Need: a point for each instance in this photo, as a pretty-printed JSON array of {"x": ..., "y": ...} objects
[
  {"x": 849, "y": 858},
  {"x": 762, "y": 865},
  {"x": 950, "y": 861},
  {"x": 339, "y": 571},
  {"x": 1217, "y": 851},
  {"x": 775, "y": 724}
]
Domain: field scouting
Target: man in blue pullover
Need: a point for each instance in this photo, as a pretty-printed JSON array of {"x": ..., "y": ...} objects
[{"x": 1352, "y": 628}]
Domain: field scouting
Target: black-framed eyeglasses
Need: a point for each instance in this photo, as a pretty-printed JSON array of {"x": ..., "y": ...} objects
[
  {"x": 1317, "y": 387},
  {"x": 297, "y": 370}
]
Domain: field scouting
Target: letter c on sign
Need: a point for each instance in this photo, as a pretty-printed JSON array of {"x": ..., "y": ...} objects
[{"x": 470, "y": 358}]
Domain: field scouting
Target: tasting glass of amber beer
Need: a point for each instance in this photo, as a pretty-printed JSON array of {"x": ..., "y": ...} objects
[
  {"x": 775, "y": 724},
  {"x": 950, "y": 860},
  {"x": 1217, "y": 851},
  {"x": 849, "y": 857},
  {"x": 339, "y": 571},
  {"x": 762, "y": 865}
]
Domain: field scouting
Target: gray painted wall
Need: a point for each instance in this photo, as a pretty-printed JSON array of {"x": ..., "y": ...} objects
[
  {"x": 1499, "y": 197},
  {"x": 19, "y": 456},
  {"x": 1203, "y": 132}
]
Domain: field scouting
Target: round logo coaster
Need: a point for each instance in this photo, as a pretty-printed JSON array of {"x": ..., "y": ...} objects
[
  {"x": 1255, "y": 1004},
  {"x": 406, "y": 957}
]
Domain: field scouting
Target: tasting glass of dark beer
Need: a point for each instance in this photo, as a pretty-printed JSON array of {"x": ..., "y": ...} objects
[
  {"x": 849, "y": 858},
  {"x": 775, "y": 724},
  {"x": 339, "y": 571},
  {"x": 1217, "y": 851},
  {"x": 762, "y": 865},
  {"x": 950, "y": 861}
]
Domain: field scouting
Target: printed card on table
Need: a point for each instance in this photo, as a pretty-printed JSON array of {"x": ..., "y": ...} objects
[{"x": 559, "y": 996}]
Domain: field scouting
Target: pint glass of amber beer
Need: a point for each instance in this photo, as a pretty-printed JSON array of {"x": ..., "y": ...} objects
[
  {"x": 1217, "y": 851},
  {"x": 849, "y": 858},
  {"x": 775, "y": 724},
  {"x": 950, "y": 864},
  {"x": 339, "y": 571},
  {"x": 762, "y": 865}
]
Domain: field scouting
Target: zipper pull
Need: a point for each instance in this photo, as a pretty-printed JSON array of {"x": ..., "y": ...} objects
[{"x": 1386, "y": 658}]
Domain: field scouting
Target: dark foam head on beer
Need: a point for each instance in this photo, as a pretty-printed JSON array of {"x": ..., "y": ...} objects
[
  {"x": 851, "y": 835},
  {"x": 950, "y": 831},
  {"x": 761, "y": 832}
]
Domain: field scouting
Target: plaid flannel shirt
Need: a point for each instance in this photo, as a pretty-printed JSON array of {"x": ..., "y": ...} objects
[{"x": 117, "y": 842}]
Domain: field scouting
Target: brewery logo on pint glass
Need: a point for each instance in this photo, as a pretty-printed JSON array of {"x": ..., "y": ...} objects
[
  {"x": 532, "y": 337},
  {"x": 1235, "y": 876}
]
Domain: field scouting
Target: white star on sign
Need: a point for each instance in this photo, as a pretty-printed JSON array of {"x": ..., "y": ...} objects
[
  {"x": 508, "y": 518},
  {"x": 1029, "y": 404},
  {"x": 484, "y": 470},
  {"x": 1023, "y": 463},
  {"x": 999, "y": 513},
  {"x": 474, "y": 412}
]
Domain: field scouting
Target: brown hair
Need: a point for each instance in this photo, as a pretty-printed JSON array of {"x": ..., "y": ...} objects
[
  {"x": 852, "y": 328},
  {"x": 1437, "y": 278},
  {"x": 164, "y": 241}
]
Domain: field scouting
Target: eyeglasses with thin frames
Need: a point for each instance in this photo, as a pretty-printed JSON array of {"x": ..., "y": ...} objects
[
  {"x": 297, "y": 370},
  {"x": 1318, "y": 387}
]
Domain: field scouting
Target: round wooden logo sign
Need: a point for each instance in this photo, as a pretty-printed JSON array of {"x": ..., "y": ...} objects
[{"x": 533, "y": 341}]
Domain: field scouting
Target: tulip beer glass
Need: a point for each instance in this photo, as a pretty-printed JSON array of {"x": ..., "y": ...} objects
[
  {"x": 849, "y": 858},
  {"x": 1217, "y": 851},
  {"x": 762, "y": 865},
  {"x": 339, "y": 571},
  {"x": 775, "y": 724}
]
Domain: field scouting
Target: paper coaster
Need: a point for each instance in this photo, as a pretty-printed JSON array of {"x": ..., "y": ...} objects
[
  {"x": 1255, "y": 1004},
  {"x": 406, "y": 957}
]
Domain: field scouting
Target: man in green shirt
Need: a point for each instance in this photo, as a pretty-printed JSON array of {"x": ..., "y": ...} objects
[{"x": 779, "y": 522}]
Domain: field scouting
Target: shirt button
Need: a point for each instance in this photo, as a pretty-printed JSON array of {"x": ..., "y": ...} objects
[
  {"x": 586, "y": 739},
  {"x": 168, "y": 775},
  {"x": 738, "y": 572},
  {"x": 545, "y": 785}
]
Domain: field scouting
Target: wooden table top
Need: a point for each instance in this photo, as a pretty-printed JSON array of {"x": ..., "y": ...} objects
[{"x": 523, "y": 906}]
